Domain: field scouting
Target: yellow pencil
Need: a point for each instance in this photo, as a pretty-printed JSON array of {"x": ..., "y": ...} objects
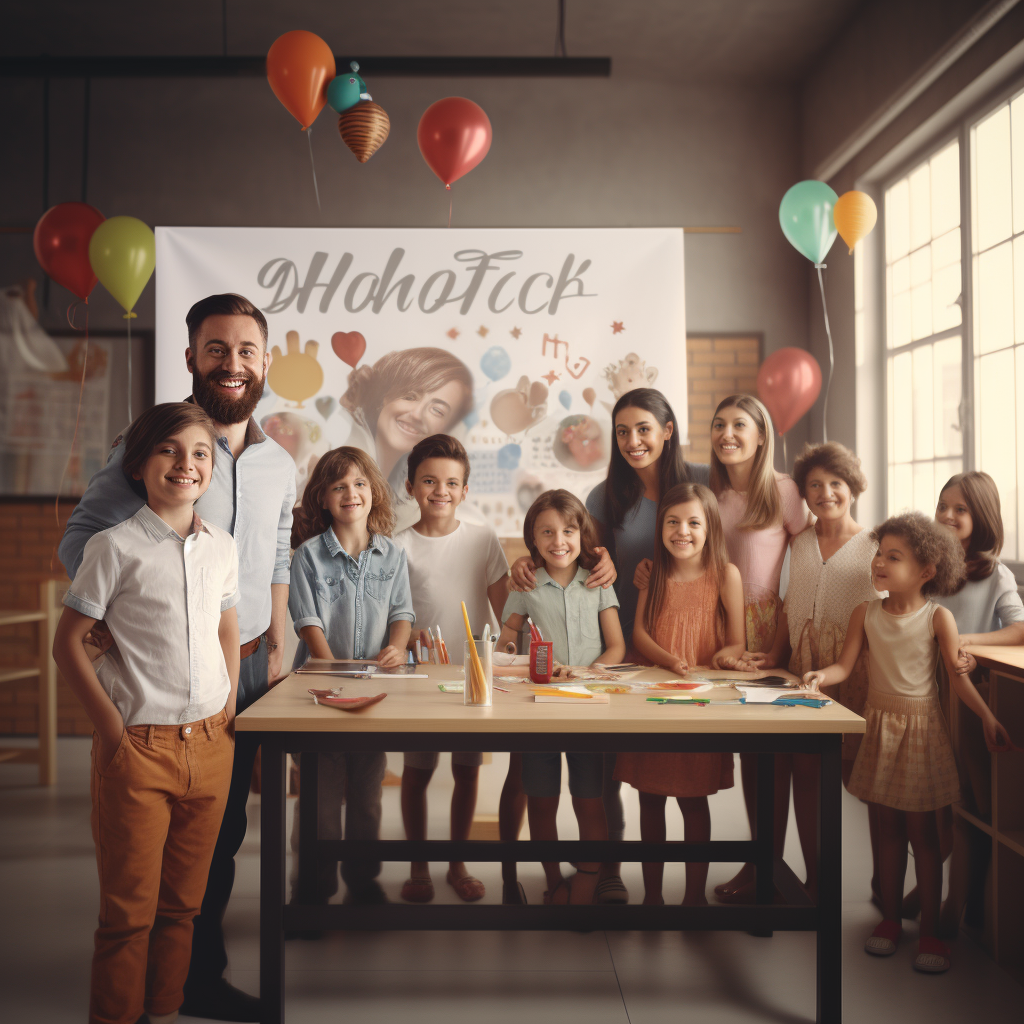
[{"x": 476, "y": 669}]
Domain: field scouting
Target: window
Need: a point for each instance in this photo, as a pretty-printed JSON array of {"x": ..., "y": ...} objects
[
  {"x": 997, "y": 258},
  {"x": 954, "y": 336},
  {"x": 924, "y": 347}
]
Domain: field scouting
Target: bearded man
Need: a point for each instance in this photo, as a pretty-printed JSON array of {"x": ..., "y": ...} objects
[{"x": 251, "y": 495}]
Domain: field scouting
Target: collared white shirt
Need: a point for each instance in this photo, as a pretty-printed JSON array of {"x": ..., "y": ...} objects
[
  {"x": 161, "y": 596},
  {"x": 250, "y": 497}
]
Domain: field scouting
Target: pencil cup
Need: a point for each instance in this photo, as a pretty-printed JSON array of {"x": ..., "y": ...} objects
[{"x": 479, "y": 670}]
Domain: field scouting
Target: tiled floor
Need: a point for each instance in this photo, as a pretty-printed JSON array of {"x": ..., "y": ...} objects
[{"x": 48, "y": 895}]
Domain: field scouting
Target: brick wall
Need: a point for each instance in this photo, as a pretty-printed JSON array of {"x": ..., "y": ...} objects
[
  {"x": 716, "y": 367},
  {"x": 28, "y": 536}
]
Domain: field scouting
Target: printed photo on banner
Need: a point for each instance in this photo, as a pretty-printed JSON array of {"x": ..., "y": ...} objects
[{"x": 516, "y": 341}]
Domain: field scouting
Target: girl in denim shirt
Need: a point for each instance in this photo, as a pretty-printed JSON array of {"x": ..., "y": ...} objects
[{"x": 349, "y": 598}]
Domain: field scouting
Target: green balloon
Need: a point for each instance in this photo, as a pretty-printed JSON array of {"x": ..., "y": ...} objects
[
  {"x": 122, "y": 252},
  {"x": 805, "y": 214}
]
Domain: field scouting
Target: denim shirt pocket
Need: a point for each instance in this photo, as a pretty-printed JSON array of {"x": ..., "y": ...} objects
[
  {"x": 328, "y": 589},
  {"x": 377, "y": 584}
]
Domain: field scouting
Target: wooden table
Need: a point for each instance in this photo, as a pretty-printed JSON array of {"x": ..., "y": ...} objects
[{"x": 417, "y": 716}]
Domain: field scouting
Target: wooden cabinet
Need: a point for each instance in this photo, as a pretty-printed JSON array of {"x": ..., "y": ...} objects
[{"x": 989, "y": 820}]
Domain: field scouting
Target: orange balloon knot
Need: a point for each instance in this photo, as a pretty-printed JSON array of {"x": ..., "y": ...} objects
[{"x": 448, "y": 188}]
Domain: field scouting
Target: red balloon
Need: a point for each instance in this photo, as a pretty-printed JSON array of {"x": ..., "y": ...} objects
[
  {"x": 61, "y": 243},
  {"x": 454, "y": 136},
  {"x": 788, "y": 382},
  {"x": 348, "y": 346}
]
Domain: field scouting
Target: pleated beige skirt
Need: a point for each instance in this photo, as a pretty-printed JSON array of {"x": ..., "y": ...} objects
[{"x": 906, "y": 759}]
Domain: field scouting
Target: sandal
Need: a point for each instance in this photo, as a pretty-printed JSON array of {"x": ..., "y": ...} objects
[
  {"x": 467, "y": 888},
  {"x": 883, "y": 940},
  {"x": 932, "y": 956},
  {"x": 611, "y": 890},
  {"x": 417, "y": 890}
]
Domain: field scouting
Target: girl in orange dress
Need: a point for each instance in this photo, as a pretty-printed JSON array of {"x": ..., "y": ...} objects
[{"x": 692, "y": 606}]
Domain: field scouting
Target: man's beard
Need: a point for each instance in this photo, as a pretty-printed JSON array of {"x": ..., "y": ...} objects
[{"x": 221, "y": 407}]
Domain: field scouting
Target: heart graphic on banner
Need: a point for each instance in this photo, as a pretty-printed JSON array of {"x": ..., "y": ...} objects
[
  {"x": 325, "y": 406},
  {"x": 348, "y": 346}
]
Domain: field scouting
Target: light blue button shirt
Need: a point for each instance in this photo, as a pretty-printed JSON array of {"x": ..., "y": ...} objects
[
  {"x": 569, "y": 617},
  {"x": 353, "y": 600},
  {"x": 250, "y": 497}
]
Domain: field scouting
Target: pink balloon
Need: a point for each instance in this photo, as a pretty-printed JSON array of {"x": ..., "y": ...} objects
[{"x": 788, "y": 383}]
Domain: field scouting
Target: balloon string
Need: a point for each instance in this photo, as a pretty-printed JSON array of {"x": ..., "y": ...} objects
[
  {"x": 78, "y": 415},
  {"x": 129, "y": 318},
  {"x": 451, "y": 199},
  {"x": 785, "y": 457},
  {"x": 831, "y": 354},
  {"x": 316, "y": 190}
]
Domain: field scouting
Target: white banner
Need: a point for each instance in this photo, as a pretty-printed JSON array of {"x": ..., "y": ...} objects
[{"x": 517, "y": 341}]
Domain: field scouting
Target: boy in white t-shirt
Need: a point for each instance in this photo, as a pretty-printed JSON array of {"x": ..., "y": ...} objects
[{"x": 449, "y": 562}]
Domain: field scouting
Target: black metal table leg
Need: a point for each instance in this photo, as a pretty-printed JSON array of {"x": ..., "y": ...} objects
[
  {"x": 308, "y": 781},
  {"x": 272, "y": 819},
  {"x": 830, "y": 884},
  {"x": 764, "y": 865}
]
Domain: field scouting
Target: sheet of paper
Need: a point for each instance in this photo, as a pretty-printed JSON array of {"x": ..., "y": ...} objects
[{"x": 763, "y": 694}]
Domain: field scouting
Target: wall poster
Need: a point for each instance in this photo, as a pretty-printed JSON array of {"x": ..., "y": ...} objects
[{"x": 517, "y": 341}]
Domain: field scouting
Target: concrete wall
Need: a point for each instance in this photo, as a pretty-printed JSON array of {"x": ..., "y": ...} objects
[{"x": 566, "y": 152}]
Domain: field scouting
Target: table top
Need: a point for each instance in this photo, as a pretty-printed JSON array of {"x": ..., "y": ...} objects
[
  {"x": 1011, "y": 658},
  {"x": 418, "y": 706}
]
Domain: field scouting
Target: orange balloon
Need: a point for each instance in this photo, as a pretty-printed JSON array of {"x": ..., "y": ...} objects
[
  {"x": 299, "y": 67},
  {"x": 854, "y": 214}
]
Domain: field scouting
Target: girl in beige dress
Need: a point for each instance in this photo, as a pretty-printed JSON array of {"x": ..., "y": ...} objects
[{"x": 905, "y": 764}]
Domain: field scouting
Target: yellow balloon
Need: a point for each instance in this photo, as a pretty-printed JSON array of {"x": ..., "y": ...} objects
[
  {"x": 854, "y": 215},
  {"x": 123, "y": 256}
]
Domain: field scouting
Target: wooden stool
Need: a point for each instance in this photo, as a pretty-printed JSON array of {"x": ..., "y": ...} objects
[{"x": 45, "y": 752}]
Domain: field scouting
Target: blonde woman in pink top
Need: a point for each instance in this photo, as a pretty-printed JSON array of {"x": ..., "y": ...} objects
[{"x": 761, "y": 511}]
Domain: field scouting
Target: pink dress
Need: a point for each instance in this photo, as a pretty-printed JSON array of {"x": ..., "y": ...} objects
[
  {"x": 759, "y": 554},
  {"x": 688, "y": 626}
]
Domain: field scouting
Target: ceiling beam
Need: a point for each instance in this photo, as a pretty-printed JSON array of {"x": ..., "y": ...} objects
[{"x": 248, "y": 67}]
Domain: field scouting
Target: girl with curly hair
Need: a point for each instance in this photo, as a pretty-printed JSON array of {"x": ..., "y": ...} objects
[{"x": 905, "y": 765}]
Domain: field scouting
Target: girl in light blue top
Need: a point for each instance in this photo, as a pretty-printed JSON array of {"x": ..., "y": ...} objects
[
  {"x": 349, "y": 598},
  {"x": 988, "y": 610},
  {"x": 583, "y": 624}
]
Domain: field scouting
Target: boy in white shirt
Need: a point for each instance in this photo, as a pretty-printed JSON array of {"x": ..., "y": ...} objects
[
  {"x": 449, "y": 562},
  {"x": 162, "y": 703}
]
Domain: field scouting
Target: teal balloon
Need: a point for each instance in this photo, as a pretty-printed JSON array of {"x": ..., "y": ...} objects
[
  {"x": 344, "y": 90},
  {"x": 805, "y": 214},
  {"x": 565, "y": 398}
]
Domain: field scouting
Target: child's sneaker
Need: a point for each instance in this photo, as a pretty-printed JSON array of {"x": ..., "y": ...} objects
[
  {"x": 883, "y": 940},
  {"x": 932, "y": 956}
]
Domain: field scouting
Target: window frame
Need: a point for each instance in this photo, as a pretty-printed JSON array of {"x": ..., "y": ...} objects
[{"x": 960, "y": 131}]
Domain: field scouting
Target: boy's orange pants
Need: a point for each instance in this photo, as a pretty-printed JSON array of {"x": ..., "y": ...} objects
[{"x": 156, "y": 812}]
